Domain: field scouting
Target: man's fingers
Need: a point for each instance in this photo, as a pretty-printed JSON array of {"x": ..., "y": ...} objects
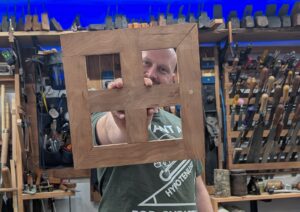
[
  {"x": 148, "y": 82},
  {"x": 119, "y": 114},
  {"x": 117, "y": 83}
]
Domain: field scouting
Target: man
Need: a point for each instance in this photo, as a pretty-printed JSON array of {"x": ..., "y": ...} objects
[{"x": 161, "y": 186}]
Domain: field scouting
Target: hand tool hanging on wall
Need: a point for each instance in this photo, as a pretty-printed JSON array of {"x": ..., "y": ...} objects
[
  {"x": 109, "y": 25},
  {"x": 181, "y": 17},
  {"x": 204, "y": 20},
  {"x": 36, "y": 25},
  {"x": 251, "y": 84},
  {"x": 276, "y": 98},
  {"x": 261, "y": 20},
  {"x": 294, "y": 137},
  {"x": 233, "y": 108},
  {"x": 283, "y": 14},
  {"x": 273, "y": 20},
  {"x": 20, "y": 24},
  {"x": 170, "y": 18},
  {"x": 28, "y": 19},
  {"x": 4, "y": 24},
  {"x": 293, "y": 95},
  {"x": 247, "y": 123},
  {"x": 255, "y": 141},
  {"x": 191, "y": 16},
  {"x": 241, "y": 103},
  {"x": 270, "y": 84},
  {"x": 274, "y": 155},
  {"x": 235, "y": 21},
  {"x": 45, "y": 19},
  {"x": 13, "y": 18},
  {"x": 161, "y": 19},
  {"x": 248, "y": 20},
  {"x": 296, "y": 14},
  {"x": 153, "y": 21},
  {"x": 263, "y": 78},
  {"x": 292, "y": 133},
  {"x": 120, "y": 20},
  {"x": 237, "y": 69},
  {"x": 268, "y": 146},
  {"x": 56, "y": 25},
  {"x": 218, "y": 14}
]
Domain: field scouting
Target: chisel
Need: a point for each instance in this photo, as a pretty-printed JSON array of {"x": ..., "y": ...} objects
[
  {"x": 283, "y": 14},
  {"x": 248, "y": 20},
  {"x": 276, "y": 98},
  {"x": 268, "y": 146},
  {"x": 181, "y": 17},
  {"x": 28, "y": 19},
  {"x": 247, "y": 123},
  {"x": 263, "y": 78},
  {"x": 293, "y": 95},
  {"x": 255, "y": 142},
  {"x": 233, "y": 107}
]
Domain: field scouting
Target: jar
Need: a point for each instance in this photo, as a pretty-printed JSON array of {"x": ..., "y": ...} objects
[{"x": 238, "y": 182}]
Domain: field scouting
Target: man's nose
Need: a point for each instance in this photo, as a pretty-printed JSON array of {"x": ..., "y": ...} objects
[{"x": 150, "y": 72}]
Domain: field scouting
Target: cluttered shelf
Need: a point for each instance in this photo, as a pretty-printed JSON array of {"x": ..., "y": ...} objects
[
  {"x": 205, "y": 36},
  {"x": 264, "y": 196},
  {"x": 46, "y": 195},
  {"x": 6, "y": 79},
  {"x": 255, "y": 34}
]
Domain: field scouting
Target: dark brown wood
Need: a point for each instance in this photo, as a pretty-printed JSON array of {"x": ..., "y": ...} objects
[{"x": 129, "y": 43}]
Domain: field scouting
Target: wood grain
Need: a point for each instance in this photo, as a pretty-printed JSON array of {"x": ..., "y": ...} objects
[{"x": 134, "y": 98}]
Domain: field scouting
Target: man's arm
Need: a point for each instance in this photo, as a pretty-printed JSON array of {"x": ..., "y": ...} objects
[
  {"x": 108, "y": 131},
  {"x": 202, "y": 197}
]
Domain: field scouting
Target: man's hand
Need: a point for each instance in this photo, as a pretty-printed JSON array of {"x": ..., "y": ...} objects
[{"x": 112, "y": 127}]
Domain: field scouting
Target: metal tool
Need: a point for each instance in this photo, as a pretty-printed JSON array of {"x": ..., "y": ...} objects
[
  {"x": 28, "y": 18},
  {"x": 267, "y": 148},
  {"x": 294, "y": 133},
  {"x": 273, "y": 20},
  {"x": 293, "y": 95},
  {"x": 170, "y": 19},
  {"x": 248, "y": 20},
  {"x": 181, "y": 17},
  {"x": 255, "y": 142},
  {"x": 263, "y": 78},
  {"x": 247, "y": 123},
  {"x": 276, "y": 98},
  {"x": 283, "y": 14},
  {"x": 261, "y": 21},
  {"x": 233, "y": 107}
]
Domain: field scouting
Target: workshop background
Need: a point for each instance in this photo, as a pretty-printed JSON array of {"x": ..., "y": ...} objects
[{"x": 273, "y": 33}]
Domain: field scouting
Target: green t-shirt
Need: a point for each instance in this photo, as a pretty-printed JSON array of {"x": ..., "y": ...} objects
[{"x": 167, "y": 186}]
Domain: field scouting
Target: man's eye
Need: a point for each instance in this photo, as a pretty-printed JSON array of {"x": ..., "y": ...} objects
[
  {"x": 163, "y": 71},
  {"x": 146, "y": 63}
]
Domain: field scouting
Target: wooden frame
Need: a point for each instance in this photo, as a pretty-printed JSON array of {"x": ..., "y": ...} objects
[{"x": 134, "y": 98}]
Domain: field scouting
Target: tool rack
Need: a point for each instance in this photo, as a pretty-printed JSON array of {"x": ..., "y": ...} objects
[{"x": 233, "y": 134}]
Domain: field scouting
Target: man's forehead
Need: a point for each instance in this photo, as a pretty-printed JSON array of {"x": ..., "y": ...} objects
[{"x": 170, "y": 52}]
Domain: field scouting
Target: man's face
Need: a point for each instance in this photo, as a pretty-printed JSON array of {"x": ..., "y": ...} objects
[{"x": 159, "y": 65}]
